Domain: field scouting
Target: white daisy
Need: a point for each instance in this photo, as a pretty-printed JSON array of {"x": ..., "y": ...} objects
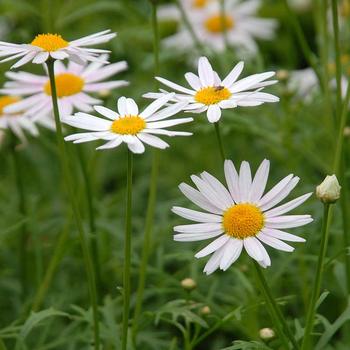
[
  {"x": 74, "y": 83},
  {"x": 19, "y": 123},
  {"x": 304, "y": 82},
  {"x": 128, "y": 125},
  {"x": 210, "y": 94},
  {"x": 241, "y": 24},
  {"x": 240, "y": 216},
  {"x": 49, "y": 45}
]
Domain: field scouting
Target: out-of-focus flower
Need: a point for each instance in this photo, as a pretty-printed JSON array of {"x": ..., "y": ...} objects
[
  {"x": 210, "y": 94},
  {"x": 240, "y": 216},
  {"x": 300, "y": 5},
  {"x": 49, "y": 45},
  {"x": 266, "y": 333},
  {"x": 128, "y": 125},
  {"x": 304, "y": 83},
  {"x": 19, "y": 123},
  {"x": 74, "y": 83},
  {"x": 240, "y": 25},
  {"x": 188, "y": 284},
  {"x": 205, "y": 310},
  {"x": 329, "y": 190}
]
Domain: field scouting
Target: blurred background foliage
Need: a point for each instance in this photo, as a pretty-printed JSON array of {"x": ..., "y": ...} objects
[{"x": 292, "y": 134}]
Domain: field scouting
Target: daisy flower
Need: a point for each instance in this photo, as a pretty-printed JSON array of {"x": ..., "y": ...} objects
[
  {"x": 208, "y": 93},
  {"x": 240, "y": 23},
  {"x": 128, "y": 125},
  {"x": 240, "y": 216},
  {"x": 19, "y": 123},
  {"x": 45, "y": 46},
  {"x": 74, "y": 83}
]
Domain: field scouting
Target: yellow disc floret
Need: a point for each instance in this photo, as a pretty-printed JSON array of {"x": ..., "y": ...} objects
[
  {"x": 212, "y": 95},
  {"x": 199, "y": 3},
  {"x": 218, "y": 23},
  {"x": 50, "y": 42},
  {"x": 128, "y": 125},
  {"x": 5, "y": 101},
  {"x": 67, "y": 84},
  {"x": 243, "y": 220}
]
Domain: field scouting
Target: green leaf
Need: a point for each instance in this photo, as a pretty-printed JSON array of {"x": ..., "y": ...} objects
[{"x": 245, "y": 345}]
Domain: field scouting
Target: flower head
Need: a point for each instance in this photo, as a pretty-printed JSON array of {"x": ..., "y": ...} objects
[
  {"x": 44, "y": 46},
  {"x": 18, "y": 122},
  {"x": 128, "y": 124},
  {"x": 240, "y": 216},
  {"x": 74, "y": 83},
  {"x": 211, "y": 94},
  {"x": 329, "y": 190}
]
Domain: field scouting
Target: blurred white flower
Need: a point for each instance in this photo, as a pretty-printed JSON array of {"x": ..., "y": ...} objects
[
  {"x": 49, "y": 45},
  {"x": 210, "y": 94},
  {"x": 241, "y": 24},
  {"x": 266, "y": 333},
  {"x": 74, "y": 83},
  {"x": 300, "y": 5},
  {"x": 241, "y": 216},
  {"x": 304, "y": 83},
  {"x": 128, "y": 125},
  {"x": 19, "y": 123}
]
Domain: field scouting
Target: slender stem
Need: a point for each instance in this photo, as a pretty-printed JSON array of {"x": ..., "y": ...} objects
[
  {"x": 279, "y": 321},
  {"x": 307, "y": 342},
  {"x": 197, "y": 42},
  {"x": 151, "y": 196},
  {"x": 219, "y": 139},
  {"x": 22, "y": 207},
  {"x": 92, "y": 224},
  {"x": 76, "y": 212},
  {"x": 127, "y": 252},
  {"x": 337, "y": 52},
  {"x": 54, "y": 261}
]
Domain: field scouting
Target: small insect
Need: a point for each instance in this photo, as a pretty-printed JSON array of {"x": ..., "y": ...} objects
[{"x": 218, "y": 88}]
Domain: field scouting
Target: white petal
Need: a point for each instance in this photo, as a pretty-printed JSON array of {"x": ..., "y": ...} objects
[
  {"x": 213, "y": 246},
  {"x": 136, "y": 146},
  {"x": 197, "y": 198},
  {"x": 260, "y": 180},
  {"x": 193, "y": 81},
  {"x": 205, "y": 72},
  {"x": 111, "y": 144},
  {"x": 106, "y": 112},
  {"x": 245, "y": 181},
  {"x": 195, "y": 215},
  {"x": 214, "y": 261},
  {"x": 193, "y": 237},
  {"x": 214, "y": 113},
  {"x": 252, "y": 248},
  {"x": 87, "y": 122},
  {"x": 41, "y": 57},
  {"x": 288, "y": 221},
  {"x": 198, "y": 228},
  {"x": 122, "y": 110},
  {"x": 152, "y": 140},
  {"x": 131, "y": 107},
  {"x": 176, "y": 87},
  {"x": 274, "y": 242},
  {"x": 157, "y": 104},
  {"x": 231, "y": 177},
  {"x": 284, "y": 208},
  {"x": 233, "y": 75},
  {"x": 233, "y": 249},
  {"x": 285, "y": 236}
]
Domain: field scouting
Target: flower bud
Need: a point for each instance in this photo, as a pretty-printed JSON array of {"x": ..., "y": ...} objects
[
  {"x": 188, "y": 284},
  {"x": 347, "y": 131},
  {"x": 205, "y": 310},
  {"x": 104, "y": 93},
  {"x": 282, "y": 74},
  {"x": 266, "y": 333},
  {"x": 329, "y": 190}
]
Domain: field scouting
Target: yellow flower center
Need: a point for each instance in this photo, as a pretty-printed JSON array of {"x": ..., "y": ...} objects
[
  {"x": 218, "y": 23},
  {"x": 128, "y": 125},
  {"x": 50, "y": 42},
  {"x": 5, "y": 101},
  {"x": 212, "y": 95},
  {"x": 243, "y": 220},
  {"x": 67, "y": 84},
  {"x": 199, "y": 3}
]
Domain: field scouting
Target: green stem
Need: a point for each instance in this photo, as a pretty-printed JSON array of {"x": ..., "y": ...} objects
[
  {"x": 127, "y": 253},
  {"x": 92, "y": 223},
  {"x": 23, "y": 253},
  {"x": 152, "y": 194},
  {"x": 307, "y": 342},
  {"x": 219, "y": 139},
  {"x": 279, "y": 321},
  {"x": 337, "y": 53},
  {"x": 54, "y": 261},
  {"x": 72, "y": 198},
  {"x": 197, "y": 42}
]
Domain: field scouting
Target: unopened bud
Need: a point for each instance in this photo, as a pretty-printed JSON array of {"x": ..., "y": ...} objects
[
  {"x": 282, "y": 74},
  {"x": 188, "y": 284},
  {"x": 347, "y": 131},
  {"x": 266, "y": 333},
  {"x": 329, "y": 190},
  {"x": 205, "y": 310},
  {"x": 104, "y": 93}
]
